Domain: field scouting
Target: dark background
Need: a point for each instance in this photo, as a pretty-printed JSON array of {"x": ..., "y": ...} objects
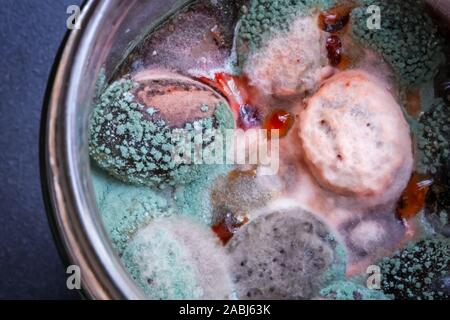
[{"x": 31, "y": 32}]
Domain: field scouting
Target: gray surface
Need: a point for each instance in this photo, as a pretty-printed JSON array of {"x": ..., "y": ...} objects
[{"x": 30, "y": 34}]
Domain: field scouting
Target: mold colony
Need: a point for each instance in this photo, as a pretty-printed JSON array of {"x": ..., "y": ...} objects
[
  {"x": 133, "y": 126},
  {"x": 187, "y": 271},
  {"x": 355, "y": 138},
  {"x": 284, "y": 254},
  {"x": 419, "y": 271},
  {"x": 343, "y": 197},
  {"x": 408, "y": 39},
  {"x": 278, "y": 71}
]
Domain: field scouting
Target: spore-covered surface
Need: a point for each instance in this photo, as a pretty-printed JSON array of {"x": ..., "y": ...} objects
[
  {"x": 418, "y": 272},
  {"x": 261, "y": 19},
  {"x": 245, "y": 192},
  {"x": 195, "y": 198},
  {"x": 351, "y": 290},
  {"x": 437, "y": 209},
  {"x": 291, "y": 63},
  {"x": 178, "y": 258},
  {"x": 373, "y": 235},
  {"x": 137, "y": 146},
  {"x": 284, "y": 255},
  {"x": 126, "y": 208},
  {"x": 408, "y": 38},
  {"x": 434, "y": 139}
]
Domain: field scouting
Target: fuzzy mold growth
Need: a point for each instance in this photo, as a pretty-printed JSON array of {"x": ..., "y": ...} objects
[
  {"x": 418, "y": 272},
  {"x": 136, "y": 145},
  {"x": 194, "y": 199},
  {"x": 408, "y": 39},
  {"x": 285, "y": 254},
  {"x": 291, "y": 63},
  {"x": 261, "y": 19},
  {"x": 245, "y": 192},
  {"x": 125, "y": 208},
  {"x": 350, "y": 290},
  {"x": 437, "y": 210},
  {"x": 434, "y": 138},
  {"x": 178, "y": 258}
]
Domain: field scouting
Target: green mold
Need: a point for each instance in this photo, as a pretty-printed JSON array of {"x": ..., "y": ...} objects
[
  {"x": 338, "y": 268},
  {"x": 408, "y": 39},
  {"x": 433, "y": 138},
  {"x": 136, "y": 146},
  {"x": 437, "y": 207},
  {"x": 350, "y": 290},
  {"x": 194, "y": 199},
  {"x": 262, "y": 19},
  {"x": 176, "y": 258},
  {"x": 174, "y": 277},
  {"x": 418, "y": 272},
  {"x": 125, "y": 209}
]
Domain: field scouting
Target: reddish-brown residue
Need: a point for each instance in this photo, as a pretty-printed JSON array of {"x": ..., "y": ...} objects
[
  {"x": 236, "y": 89},
  {"x": 413, "y": 102},
  {"x": 334, "y": 49},
  {"x": 413, "y": 198},
  {"x": 335, "y": 19},
  {"x": 226, "y": 228},
  {"x": 218, "y": 36},
  {"x": 221, "y": 230},
  {"x": 236, "y": 174},
  {"x": 279, "y": 120}
]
